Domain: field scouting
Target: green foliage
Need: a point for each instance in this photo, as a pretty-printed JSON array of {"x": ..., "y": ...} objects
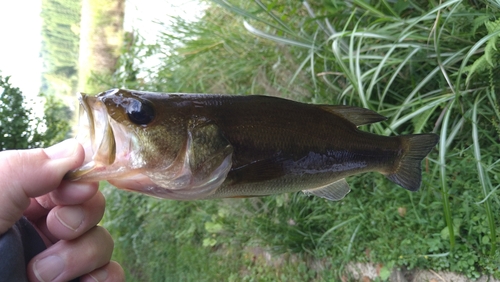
[
  {"x": 21, "y": 128},
  {"x": 427, "y": 66},
  {"x": 57, "y": 116},
  {"x": 60, "y": 48},
  {"x": 212, "y": 56},
  {"x": 15, "y": 120},
  {"x": 489, "y": 60},
  {"x": 174, "y": 239}
]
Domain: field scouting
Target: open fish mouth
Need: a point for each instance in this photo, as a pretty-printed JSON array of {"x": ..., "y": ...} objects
[
  {"x": 198, "y": 146},
  {"x": 96, "y": 135}
]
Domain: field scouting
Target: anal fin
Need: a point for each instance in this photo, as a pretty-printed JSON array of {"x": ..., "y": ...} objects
[{"x": 334, "y": 191}]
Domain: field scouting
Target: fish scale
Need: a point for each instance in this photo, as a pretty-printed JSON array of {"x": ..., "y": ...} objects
[{"x": 201, "y": 146}]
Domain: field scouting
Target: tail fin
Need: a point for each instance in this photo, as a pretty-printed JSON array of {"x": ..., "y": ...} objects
[{"x": 409, "y": 172}]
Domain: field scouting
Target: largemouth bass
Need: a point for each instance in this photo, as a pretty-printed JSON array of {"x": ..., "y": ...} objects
[{"x": 200, "y": 146}]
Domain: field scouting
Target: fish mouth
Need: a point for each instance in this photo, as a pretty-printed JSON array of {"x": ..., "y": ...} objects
[{"x": 97, "y": 137}]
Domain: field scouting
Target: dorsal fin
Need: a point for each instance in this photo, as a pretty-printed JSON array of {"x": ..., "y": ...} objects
[
  {"x": 356, "y": 115},
  {"x": 334, "y": 191}
]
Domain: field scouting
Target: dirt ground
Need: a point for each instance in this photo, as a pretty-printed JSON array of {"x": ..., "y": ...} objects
[
  {"x": 366, "y": 272},
  {"x": 369, "y": 272}
]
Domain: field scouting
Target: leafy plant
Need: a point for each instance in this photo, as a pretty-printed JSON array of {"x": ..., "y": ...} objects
[
  {"x": 21, "y": 127},
  {"x": 427, "y": 66}
]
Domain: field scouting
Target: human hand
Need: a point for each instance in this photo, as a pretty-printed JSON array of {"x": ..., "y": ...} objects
[{"x": 64, "y": 213}]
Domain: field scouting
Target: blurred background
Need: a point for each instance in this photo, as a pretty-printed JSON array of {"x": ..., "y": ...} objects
[{"x": 429, "y": 66}]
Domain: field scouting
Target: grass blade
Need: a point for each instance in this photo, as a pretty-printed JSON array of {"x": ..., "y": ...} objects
[
  {"x": 276, "y": 38},
  {"x": 444, "y": 178},
  {"x": 483, "y": 177}
]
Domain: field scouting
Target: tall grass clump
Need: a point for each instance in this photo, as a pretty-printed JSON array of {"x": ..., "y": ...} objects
[{"x": 428, "y": 66}]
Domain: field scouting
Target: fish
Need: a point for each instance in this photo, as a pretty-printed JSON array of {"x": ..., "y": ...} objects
[{"x": 207, "y": 146}]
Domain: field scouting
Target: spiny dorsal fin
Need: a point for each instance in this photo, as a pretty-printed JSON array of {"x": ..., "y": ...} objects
[
  {"x": 356, "y": 115},
  {"x": 334, "y": 191}
]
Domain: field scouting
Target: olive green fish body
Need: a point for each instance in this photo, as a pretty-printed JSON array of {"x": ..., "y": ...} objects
[
  {"x": 282, "y": 146},
  {"x": 196, "y": 146}
]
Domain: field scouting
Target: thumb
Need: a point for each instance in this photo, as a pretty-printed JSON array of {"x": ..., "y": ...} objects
[{"x": 26, "y": 174}]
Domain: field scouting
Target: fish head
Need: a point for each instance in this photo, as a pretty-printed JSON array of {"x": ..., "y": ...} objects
[{"x": 126, "y": 137}]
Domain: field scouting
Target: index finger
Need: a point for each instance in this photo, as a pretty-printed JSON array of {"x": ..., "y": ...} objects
[{"x": 26, "y": 174}]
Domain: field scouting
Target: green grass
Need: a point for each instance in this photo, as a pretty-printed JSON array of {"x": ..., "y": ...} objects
[{"x": 428, "y": 66}]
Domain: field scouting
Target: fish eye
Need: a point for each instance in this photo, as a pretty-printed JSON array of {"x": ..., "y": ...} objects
[{"x": 140, "y": 113}]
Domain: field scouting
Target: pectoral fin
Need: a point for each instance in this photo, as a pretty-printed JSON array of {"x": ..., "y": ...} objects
[{"x": 334, "y": 191}]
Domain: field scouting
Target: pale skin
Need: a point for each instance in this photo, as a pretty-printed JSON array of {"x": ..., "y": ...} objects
[{"x": 64, "y": 213}]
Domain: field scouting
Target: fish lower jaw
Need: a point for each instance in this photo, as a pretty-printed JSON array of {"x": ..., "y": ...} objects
[
  {"x": 143, "y": 184},
  {"x": 137, "y": 183}
]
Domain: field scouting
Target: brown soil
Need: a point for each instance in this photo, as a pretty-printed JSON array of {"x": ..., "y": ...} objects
[{"x": 367, "y": 272}]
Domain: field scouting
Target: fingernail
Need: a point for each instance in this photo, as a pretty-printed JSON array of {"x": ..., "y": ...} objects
[
  {"x": 99, "y": 275},
  {"x": 83, "y": 188},
  {"x": 71, "y": 217},
  {"x": 62, "y": 150},
  {"x": 48, "y": 268}
]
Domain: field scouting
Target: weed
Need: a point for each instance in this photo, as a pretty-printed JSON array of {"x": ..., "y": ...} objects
[{"x": 427, "y": 66}]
